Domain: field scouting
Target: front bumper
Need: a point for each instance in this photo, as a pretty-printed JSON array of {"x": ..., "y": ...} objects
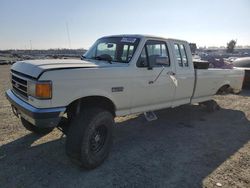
[{"x": 40, "y": 117}]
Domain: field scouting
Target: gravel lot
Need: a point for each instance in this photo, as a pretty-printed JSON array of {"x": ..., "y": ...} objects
[{"x": 185, "y": 147}]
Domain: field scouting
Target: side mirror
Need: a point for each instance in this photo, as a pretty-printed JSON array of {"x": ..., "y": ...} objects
[{"x": 161, "y": 61}]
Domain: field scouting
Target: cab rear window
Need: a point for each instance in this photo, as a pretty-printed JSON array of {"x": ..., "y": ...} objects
[{"x": 181, "y": 55}]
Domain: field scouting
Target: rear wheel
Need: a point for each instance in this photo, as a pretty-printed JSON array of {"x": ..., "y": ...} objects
[
  {"x": 89, "y": 137},
  {"x": 34, "y": 129}
]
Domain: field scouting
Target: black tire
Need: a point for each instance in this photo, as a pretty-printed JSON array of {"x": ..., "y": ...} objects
[
  {"x": 90, "y": 137},
  {"x": 34, "y": 129},
  {"x": 211, "y": 106}
]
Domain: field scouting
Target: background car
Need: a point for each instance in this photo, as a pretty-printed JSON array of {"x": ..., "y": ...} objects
[{"x": 244, "y": 63}]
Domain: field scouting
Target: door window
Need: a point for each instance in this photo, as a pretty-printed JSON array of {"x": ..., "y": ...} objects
[{"x": 154, "y": 53}]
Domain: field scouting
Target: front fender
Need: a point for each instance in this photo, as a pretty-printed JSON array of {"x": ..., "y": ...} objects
[{"x": 91, "y": 93}]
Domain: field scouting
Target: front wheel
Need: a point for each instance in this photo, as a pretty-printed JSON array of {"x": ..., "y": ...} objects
[
  {"x": 34, "y": 129},
  {"x": 89, "y": 137}
]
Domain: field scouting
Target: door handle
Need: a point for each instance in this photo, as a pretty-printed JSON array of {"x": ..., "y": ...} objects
[{"x": 170, "y": 73}]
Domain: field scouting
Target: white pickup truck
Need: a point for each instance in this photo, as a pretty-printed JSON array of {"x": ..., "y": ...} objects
[{"x": 117, "y": 76}]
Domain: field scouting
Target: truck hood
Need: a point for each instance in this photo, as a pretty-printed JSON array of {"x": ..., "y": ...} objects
[{"x": 35, "y": 68}]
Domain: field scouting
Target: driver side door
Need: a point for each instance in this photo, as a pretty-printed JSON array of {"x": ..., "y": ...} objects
[{"x": 153, "y": 87}]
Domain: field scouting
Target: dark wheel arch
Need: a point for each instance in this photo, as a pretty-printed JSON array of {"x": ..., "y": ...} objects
[
  {"x": 225, "y": 89},
  {"x": 91, "y": 101}
]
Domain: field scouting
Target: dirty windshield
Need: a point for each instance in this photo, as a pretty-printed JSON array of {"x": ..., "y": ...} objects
[{"x": 113, "y": 49}]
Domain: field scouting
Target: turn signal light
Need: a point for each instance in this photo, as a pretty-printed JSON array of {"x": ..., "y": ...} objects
[{"x": 43, "y": 90}]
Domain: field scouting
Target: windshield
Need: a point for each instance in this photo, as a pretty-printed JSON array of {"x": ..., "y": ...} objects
[{"x": 113, "y": 49}]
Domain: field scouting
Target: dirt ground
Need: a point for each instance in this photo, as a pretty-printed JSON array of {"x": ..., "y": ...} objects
[{"x": 185, "y": 147}]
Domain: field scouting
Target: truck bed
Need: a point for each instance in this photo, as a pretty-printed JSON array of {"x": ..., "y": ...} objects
[{"x": 207, "y": 81}]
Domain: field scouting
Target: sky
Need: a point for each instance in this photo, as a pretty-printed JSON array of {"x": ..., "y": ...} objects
[{"x": 44, "y": 24}]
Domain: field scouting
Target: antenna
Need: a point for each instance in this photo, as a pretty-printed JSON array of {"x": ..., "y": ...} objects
[
  {"x": 30, "y": 45},
  {"x": 67, "y": 29}
]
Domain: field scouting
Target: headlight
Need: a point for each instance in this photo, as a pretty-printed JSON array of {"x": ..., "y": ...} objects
[{"x": 40, "y": 90}]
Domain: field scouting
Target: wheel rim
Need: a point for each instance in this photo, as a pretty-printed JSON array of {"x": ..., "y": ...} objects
[{"x": 98, "y": 138}]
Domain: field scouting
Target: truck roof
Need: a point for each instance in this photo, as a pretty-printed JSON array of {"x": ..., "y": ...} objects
[{"x": 144, "y": 36}]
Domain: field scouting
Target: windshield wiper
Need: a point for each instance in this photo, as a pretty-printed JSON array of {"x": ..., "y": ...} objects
[
  {"x": 83, "y": 57},
  {"x": 121, "y": 62},
  {"x": 103, "y": 58}
]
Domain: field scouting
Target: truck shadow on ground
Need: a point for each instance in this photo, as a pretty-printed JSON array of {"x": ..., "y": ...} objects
[
  {"x": 245, "y": 92},
  {"x": 180, "y": 149}
]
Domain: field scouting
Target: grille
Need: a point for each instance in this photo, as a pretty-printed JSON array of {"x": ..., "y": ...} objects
[{"x": 19, "y": 85}]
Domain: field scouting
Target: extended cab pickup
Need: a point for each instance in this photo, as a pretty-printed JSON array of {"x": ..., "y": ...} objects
[{"x": 117, "y": 76}]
